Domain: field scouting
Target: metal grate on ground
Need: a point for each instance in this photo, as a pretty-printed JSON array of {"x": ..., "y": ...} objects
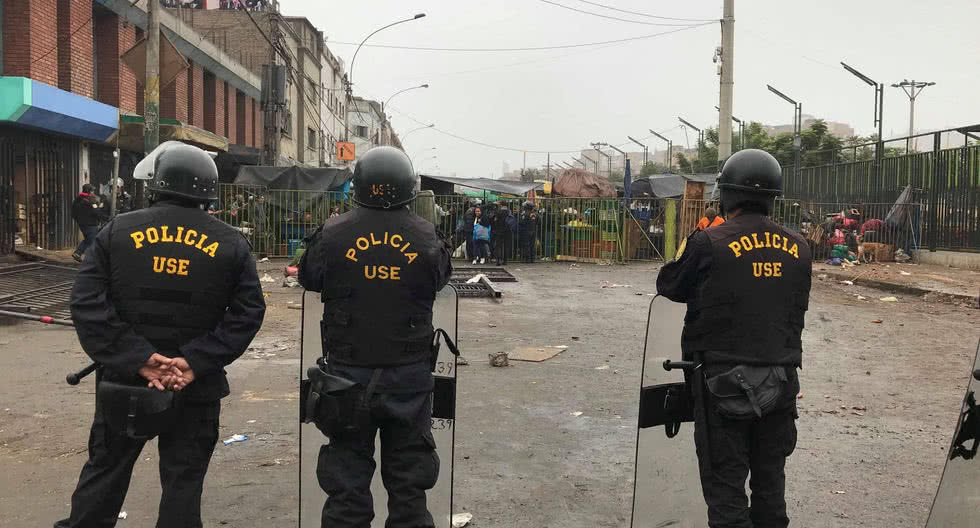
[
  {"x": 42, "y": 289},
  {"x": 476, "y": 289},
  {"x": 494, "y": 274}
]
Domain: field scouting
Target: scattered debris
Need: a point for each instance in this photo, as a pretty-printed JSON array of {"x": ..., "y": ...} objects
[
  {"x": 905, "y": 273},
  {"x": 576, "y": 413},
  {"x": 476, "y": 278},
  {"x": 889, "y": 299},
  {"x": 498, "y": 359},
  {"x": 838, "y": 492},
  {"x": 847, "y": 282},
  {"x": 859, "y": 408},
  {"x": 574, "y": 338},
  {"x": 295, "y": 307},
  {"x": 491, "y": 325},
  {"x": 877, "y": 321},
  {"x": 461, "y": 361},
  {"x": 264, "y": 259},
  {"x": 822, "y": 276},
  {"x": 861, "y": 297},
  {"x": 234, "y": 439},
  {"x": 604, "y": 367},
  {"x": 461, "y": 519},
  {"x": 536, "y": 354},
  {"x": 901, "y": 256},
  {"x": 290, "y": 282},
  {"x": 606, "y": 284},
  {"x": 267, "y": 278},
  {"x": 122, "y": 515}
]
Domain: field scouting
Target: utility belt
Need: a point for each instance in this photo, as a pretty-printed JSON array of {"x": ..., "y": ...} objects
[
  {"x": 745, "y": 392},
  {"x": 137, "y": 411},
  {"x": 337, "y": 405}
]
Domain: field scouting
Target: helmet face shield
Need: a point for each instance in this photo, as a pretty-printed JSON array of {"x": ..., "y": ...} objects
[{"x": 180, "y": 170}]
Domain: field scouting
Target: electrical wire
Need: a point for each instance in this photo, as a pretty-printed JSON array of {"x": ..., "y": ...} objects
[
  {"x": 646, "y": 14},
  {"x": 533, "y": 48},
  {"x": 584, "y": 12},
  {"x": 72, "y": 34}
]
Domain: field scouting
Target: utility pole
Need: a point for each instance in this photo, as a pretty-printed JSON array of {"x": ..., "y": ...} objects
[
  {"x": 670, "y": 151},
  {"x": 727, "y": 82},
  {"x": 912, "y": 89},
  {"x": 797, "y": 128},
  {"x": 700, "y": 140},
  {"x": 151, "y": 88},
  {"x": 645, "y": 149}
]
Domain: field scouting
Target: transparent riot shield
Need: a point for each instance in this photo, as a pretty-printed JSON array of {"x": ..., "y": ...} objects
[
  {"x": 957, "y": 502},
  {"x": 440, "y": 498},
  {"x": 666, "y": 485}
]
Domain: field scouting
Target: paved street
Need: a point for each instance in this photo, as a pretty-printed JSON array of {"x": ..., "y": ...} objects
[{"x": 876, "y": 413}]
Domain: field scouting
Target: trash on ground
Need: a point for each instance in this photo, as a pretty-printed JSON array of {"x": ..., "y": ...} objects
[
  {"x": 905, "y": 273},
  {"x": 267, "y": 278},
  {"x": 476, "y": 278},
  {"x": 536, "y": 354},
  {"x": 822, "y": 276},
  {"x": 877, "y": 321},
  {"x": 122, "y": 515},
  {"x": 576, "y": 413},
  {"x": 290, "y": 282},
  {"x": 861, "y": 297},
  {"x": 295, "y": 307},
  {"x": 461, "y": 361},
  {"x": 838, "y": 492},
  {"x": 889, "y": 299},
  {"x": 234, "y": 439},
  {"x": 264, "y": 259},
  {"x": 604, "y": 367},
  {"x": 461, "y": 519},
  {"x": 250, "y": 421},
  {"x": 491, "y": 325},
  {"x": 847, "y": 282},
  {"x": 498, "y": 359}
]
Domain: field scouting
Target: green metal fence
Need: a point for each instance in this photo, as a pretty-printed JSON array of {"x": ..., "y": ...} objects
[{"x": 570, "y": 229}]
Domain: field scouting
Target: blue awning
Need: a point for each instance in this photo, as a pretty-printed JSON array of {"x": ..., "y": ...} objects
[{"x": 33, "y": 104}]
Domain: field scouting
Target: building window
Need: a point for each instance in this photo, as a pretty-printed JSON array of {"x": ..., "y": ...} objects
[
  {"x": 361, "y": 131},
  {"x": 310, "y": 138}
]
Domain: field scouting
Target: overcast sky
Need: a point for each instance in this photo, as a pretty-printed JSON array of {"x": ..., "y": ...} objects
[{"x": 561, "y": 100}]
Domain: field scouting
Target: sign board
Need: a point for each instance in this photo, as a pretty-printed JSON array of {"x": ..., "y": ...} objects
[
  {"x": 171, "y": 61},
  {"x": 345, "y": 151}
]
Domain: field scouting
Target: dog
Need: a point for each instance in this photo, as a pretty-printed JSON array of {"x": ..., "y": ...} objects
[{"x": 869, "y": 252}]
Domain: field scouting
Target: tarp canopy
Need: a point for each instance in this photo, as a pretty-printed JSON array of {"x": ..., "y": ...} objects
[
  {"x": 294, "y": 178},
  {"x": 485, "y": 184},
  {"x": 669, "y": 185},
  {"x": 579, "y": 183}
]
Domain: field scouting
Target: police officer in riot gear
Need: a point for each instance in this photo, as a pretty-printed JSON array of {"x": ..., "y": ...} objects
[
  {"x": 164, "y": 300},
  {"x": 746, "y": 284},
  {"x": 378, "y": 269}
]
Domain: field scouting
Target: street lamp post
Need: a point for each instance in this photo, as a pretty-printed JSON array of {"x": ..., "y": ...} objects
[
  {"x": 349, "y": 77},
  {"x": 416, "y": 130},
  {"x": 670, "y": 151},
  {"x": 912, "y": 89},
  {"x": 879, "y": 112},
  {"x": 741, "y": 129},
  {"x": 700, "y": 140},
  {"x": 579, "y": 160},
  {"x": 599, "y": 151},
  {"x": 385, "y": 105},
  {"x": 797, "y": 129},
  {"x": 645, "y": 150}
]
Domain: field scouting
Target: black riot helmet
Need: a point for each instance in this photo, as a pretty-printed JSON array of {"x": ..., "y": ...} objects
[
  {"x": 182, "y": 171},
  {"x": 751, "y": 179},
  {"x": 384, "y": 179}
]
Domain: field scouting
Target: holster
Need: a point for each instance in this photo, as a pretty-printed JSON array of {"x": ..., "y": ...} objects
[
  {"x": 440, "y": 333},
  {"x": 968, "y": 432},
  {"x": 747, "y": 391},
  {"x": 668, "y": 405},
  {"x": 137, "y": 411},
  {"x": 334, "y": 404}
]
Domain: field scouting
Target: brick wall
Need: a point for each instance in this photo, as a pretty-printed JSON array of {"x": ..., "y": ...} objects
[
  {"x": 117, "y": 85},
  {"x": 231, "y": 114},
  {"x": 173, "y": 99},
  {"x": 32, "y": 52},
  {"x": 218, "y": 96},
  {"x": 195, "y": 95},
  {"x": 232, "y": 32},
  {"x": 75, "y": 51},
  {"x": 248, "y": 113}
]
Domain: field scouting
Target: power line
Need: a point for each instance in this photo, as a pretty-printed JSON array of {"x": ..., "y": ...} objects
[
  {"x": 534, "y": 48},
  {"x": 646, "y": 14},
  {"x": 584, "y": 12}
]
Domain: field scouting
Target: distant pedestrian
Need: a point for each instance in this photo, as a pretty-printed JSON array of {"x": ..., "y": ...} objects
[
  {"x": 481, "y": 237},
  {"x": 528, "y": 232},
  {"x": 504, "y": 226},
  {"x": 710, "y": 219},
  {"x": 87, "y": 212}
]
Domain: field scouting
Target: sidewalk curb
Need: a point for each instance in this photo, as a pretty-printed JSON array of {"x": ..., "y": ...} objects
[{"x": 894, "y": 287}]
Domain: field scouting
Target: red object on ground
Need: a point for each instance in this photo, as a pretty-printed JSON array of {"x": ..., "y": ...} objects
[
  {"x": 291, "y": 271},
  {"x": 47, "y": 319}
]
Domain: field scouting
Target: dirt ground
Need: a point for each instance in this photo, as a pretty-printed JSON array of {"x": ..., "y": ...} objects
[{"x": 881, "y": 386}]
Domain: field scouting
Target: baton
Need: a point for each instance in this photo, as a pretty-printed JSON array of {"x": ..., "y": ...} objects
[
  {"x": 75, "y": 377},
  {"x": 680, "y": 365},
  {"x": 46, "y": 319}
]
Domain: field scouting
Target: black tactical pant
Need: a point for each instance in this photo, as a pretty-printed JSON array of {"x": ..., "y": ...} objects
[
  {"x": 737, "y": 448},
  {"x": 409, "y": 465},
  {"x": 185, "y": 453}
]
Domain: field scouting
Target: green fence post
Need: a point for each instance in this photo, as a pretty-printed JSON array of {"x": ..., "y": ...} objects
[{"x": 670, "y": 229}]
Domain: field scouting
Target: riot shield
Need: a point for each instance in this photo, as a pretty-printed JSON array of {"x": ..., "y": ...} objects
[
  {"x": 440, "y": 498},
  {"x": 957, "y": 501},
  {"x": 666, "y": 485}
]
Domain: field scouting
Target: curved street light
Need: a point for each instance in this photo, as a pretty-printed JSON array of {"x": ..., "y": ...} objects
[
  {"x": 383, "y": 106},
  {"x": 349, "y": 77},
  {"x": 416, "y": 130}
]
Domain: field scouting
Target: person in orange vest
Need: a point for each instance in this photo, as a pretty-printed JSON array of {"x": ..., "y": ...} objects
[{"x": 710, "y": 219}]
